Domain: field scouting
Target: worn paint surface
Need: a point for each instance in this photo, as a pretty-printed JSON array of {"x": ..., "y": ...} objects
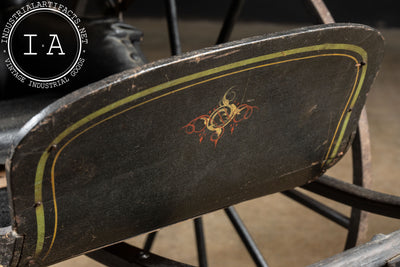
[{"x": 112, "y": 160}]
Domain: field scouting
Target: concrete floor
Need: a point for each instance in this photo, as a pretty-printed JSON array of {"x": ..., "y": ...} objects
[{"x": 287, "y": 233}]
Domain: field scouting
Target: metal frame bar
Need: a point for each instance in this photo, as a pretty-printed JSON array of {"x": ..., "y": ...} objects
[
  {"x": 320, "y": 11},
  {"x": 245, "y": 237},
  {"x": 230, "y": 19},
  {"x": 149, "y": 241},
  {"x": 173, "y": 31},
  {"x": 201, "y": 242}
]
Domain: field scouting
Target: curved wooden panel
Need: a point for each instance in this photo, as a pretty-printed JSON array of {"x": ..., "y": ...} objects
[{"x": 188, "y": 135}]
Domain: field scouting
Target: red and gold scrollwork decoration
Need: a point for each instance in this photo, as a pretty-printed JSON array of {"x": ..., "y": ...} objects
[{"x": 228, "y": 113}]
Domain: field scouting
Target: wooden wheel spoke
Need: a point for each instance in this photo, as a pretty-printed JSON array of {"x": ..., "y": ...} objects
[{"x": 318, "y": 207}]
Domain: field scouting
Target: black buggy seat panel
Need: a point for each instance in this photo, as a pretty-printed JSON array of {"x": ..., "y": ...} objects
[{"x": 181, "y": 137}]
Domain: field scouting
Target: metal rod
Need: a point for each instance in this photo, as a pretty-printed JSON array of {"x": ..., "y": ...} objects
[
  {"x": 246, "y": 237},
  {"x": 200, "y": 240},
  {"x": 230, "y": 20},
  {"x": 318, "y": 207},
  {"x": 149, "y": 241},
  {"x": 320, "y": 11},
  {"x": 173, "y": 31}
]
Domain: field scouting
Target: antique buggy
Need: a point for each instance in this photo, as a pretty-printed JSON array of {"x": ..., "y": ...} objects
[{"x": 159, "y": 143}]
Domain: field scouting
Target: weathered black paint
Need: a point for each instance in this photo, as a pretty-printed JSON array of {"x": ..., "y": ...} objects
[{"x": 140, "y": 170}]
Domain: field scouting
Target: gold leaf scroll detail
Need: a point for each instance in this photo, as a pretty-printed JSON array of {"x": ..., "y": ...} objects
[{"x": 226, "y": 114}]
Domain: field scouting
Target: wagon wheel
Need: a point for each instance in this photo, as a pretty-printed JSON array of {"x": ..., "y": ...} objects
[{"x": 356, "y": 224}]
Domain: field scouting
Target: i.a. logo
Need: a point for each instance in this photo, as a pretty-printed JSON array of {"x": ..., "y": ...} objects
[
  {"x": 44, "y": 43},
  {"x": 52, "y": 45}
]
